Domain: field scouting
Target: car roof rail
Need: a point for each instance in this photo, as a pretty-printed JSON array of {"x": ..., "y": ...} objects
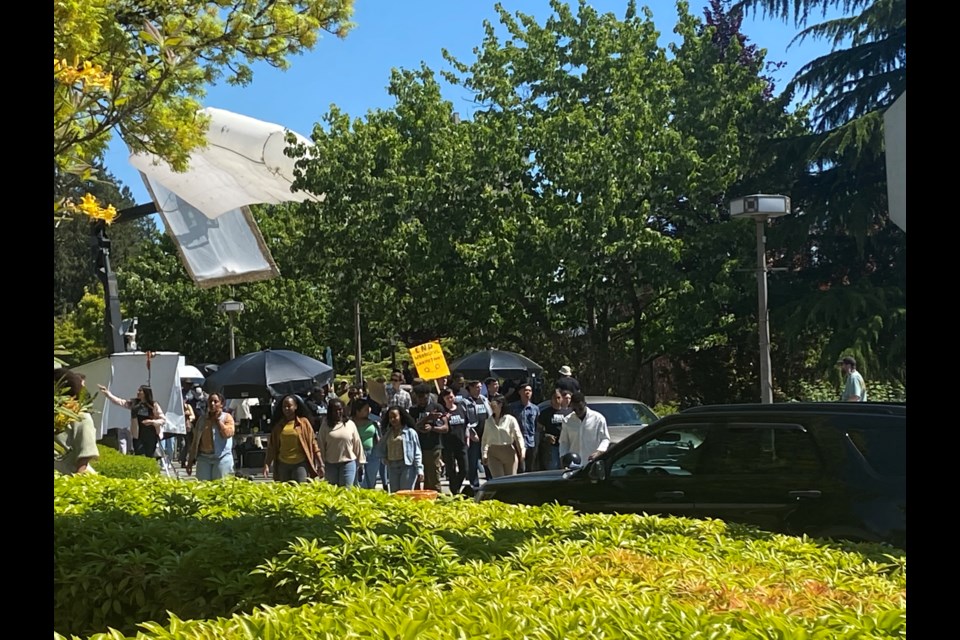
[{"x": 887, "y": 408}]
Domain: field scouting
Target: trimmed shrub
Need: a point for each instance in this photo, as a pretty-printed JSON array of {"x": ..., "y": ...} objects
[
  {"x": 114, "y": 464},
  {"x": 241, "y": 559}
]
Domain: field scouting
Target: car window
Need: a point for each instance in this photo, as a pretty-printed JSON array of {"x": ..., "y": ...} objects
[
  {"x": 884, "y": 449},
  {"x": 757, "y": 449},
  {"x": 625, "y": 413},
  {"x": 671, "y": 452}
]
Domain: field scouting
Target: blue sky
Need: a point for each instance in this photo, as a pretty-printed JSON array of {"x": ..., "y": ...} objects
[{"x": 353, "y": 72}]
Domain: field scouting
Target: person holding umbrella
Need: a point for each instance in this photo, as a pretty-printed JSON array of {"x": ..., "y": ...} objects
[
  {"x": 292, "y": 445},
  {"x": 341, "y": 450}
]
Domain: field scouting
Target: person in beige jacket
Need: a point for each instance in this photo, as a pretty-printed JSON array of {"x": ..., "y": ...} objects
[{"x": 502, "y": 442}]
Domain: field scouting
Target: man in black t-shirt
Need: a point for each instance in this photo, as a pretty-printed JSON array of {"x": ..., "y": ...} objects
[
  {"x": 428, "y": 417},
  {"x": 549, "y": 423},
  {"x": 455, "y": 439}
]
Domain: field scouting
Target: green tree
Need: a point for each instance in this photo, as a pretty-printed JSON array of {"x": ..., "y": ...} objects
[
  {"x": 140, "y": 67},
  {"x": 847, "y": 259},
  {"x": 633, "y": 149}
]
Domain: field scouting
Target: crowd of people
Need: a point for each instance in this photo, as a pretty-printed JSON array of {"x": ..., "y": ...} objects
[
  {"x": 450, "y": 428},
  {"x": 454, "y": 428}
]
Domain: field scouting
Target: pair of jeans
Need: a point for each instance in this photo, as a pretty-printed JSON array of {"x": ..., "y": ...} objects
[
  {"x": 341, "y": 474},
  {"x": 210, "y": 467},
  {"x": 402, "y": 476},
  {"x": 549, "y": 456},
  {"x": 373, "y": 467},
  {"x": 283, "y": 472}
]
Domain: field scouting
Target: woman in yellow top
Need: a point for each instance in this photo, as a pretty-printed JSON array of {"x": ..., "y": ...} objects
[
  {"x": 292, "y": 445},
  {"x": 340, "y": 447},
  {"x": 502, "y": 441}
]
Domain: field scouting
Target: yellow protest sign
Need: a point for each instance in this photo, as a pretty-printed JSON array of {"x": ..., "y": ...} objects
[{"x": 429, "y": 360}]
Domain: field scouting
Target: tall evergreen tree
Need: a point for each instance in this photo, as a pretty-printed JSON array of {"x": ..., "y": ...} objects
[{"x": 847, "y": 257}]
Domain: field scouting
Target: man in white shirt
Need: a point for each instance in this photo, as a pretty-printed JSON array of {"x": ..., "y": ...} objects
[{"x": 584, "y": 431}]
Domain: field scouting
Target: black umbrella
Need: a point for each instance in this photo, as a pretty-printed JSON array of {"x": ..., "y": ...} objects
[
  {"x": 497, "y": 364},
  {"x": 268, "y": 373}
]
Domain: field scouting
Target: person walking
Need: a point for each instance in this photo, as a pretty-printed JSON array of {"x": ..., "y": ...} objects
[
  {"x": 400, "y": 449},
  {"x": 370, "y": 433},
  {"x": 340, "y": 447},
  {"x": 427, "y": 416},
  {"x": 454, "y": 441},
  {"x": 397, "y": 396},
  {"x": 549, "y": 425},
  {"x": 292, "y": 445},
  {"x": 854, "y": 388},
  {"x": 526, "y": 413},
  {"x": 584, "y": 431},
  {"x": 566, "y": 380},
  {"x": 478, "y": 410},
  {"x": 502, "y": 442},
  {"x": 212, "y": 448}
]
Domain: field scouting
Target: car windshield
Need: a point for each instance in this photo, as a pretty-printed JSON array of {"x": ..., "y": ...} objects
[{"x": 625, "y": 413}]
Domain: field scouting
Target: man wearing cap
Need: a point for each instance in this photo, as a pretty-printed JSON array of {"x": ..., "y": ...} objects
[
  {"x": 854, "y": 388},
  {"x": 566, "y": 381}
]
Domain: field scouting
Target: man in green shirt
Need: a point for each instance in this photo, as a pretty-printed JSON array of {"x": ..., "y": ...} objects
[{"x": 854, "y": 389}]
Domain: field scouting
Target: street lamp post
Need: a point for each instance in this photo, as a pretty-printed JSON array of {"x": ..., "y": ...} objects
[
  {"x": 760, "y": 208},
  {"x": 231, "y": 308},
  {"x": 393, "y": 353}
]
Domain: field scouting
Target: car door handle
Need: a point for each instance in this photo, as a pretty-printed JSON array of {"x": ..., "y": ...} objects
[
  {"x": 674, "y": 495},
  {"x": 813, "y": 493}
]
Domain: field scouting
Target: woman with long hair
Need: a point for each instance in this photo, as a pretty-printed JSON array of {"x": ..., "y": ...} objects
[
  {"x": 79, "y": 439},
  {"x": 400, "y": 450},
  {"x": 292, "y": 444},
  {"x": 146, "y": 420},
  {"x": 502, "y": 441},
  {"x": 212, "y": 448},
  {"x": 340, "y": 448}
]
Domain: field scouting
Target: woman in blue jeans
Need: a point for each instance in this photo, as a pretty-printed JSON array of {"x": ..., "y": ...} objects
[
  {"x": 340, "y": 447},
  {"x": 369, "y": 430},
  {"x": 399, "y": 448}
]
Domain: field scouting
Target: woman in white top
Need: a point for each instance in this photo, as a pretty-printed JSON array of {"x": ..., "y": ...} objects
[
  {"x": 340, "y": 447},
  {"x": 502, "y": 442}
]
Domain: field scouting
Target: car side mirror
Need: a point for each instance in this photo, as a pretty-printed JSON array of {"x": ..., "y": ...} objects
[{"x": 598, "y": 471}]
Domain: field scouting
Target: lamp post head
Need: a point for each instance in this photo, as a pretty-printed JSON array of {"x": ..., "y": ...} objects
[
  {"x": 230, "y": 306},
  {"x": 760, "y": 205}
]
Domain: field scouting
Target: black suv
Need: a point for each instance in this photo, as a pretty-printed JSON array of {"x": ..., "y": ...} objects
[{"x": 829, "y": 470}]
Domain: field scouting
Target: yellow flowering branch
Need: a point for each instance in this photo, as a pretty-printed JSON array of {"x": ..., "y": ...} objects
[
  {"x": 87, "y": 75},
  {"x": 90, "y": 207}
]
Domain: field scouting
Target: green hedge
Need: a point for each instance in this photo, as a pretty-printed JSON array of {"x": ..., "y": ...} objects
[
  {"x": 254, "y": 560},
  {"x": 114, "y": 464}
]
